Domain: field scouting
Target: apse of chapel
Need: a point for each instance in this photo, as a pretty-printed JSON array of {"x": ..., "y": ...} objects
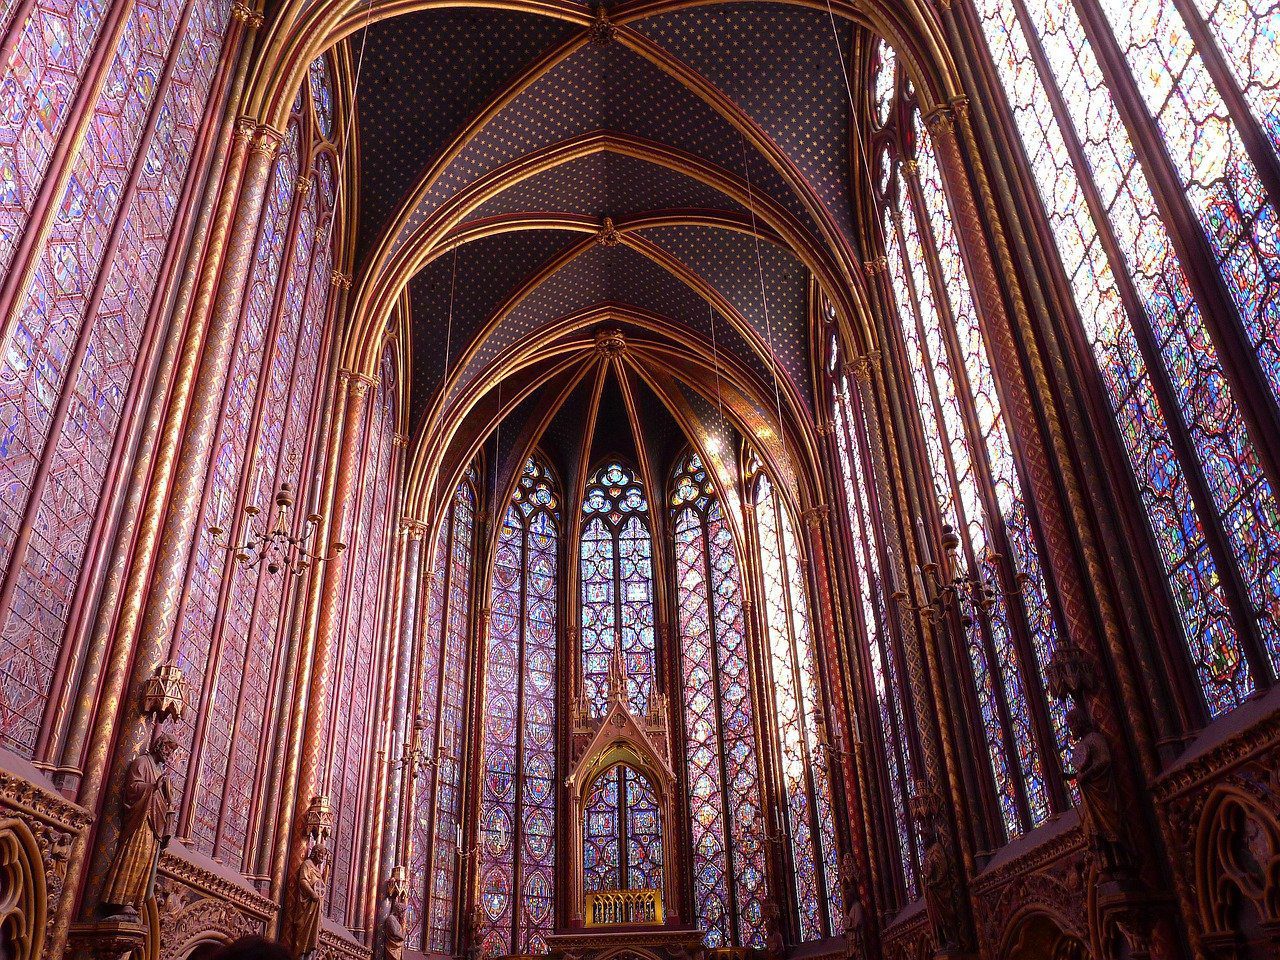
[{"x": 666, "y": 393}]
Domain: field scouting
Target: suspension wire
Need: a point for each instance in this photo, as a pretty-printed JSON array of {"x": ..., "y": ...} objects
[
  {"x": 860, "y": 146},
  {"x": 764, "y": 300},
  {"x": 351, "y": 111},
  {"x": 715, "y": 359}
]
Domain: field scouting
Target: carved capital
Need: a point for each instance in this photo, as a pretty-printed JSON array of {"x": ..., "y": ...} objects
[
  {"x": 341, "y": 280},
  {"x": 266, "y": 141},
  {"x": 815, "y": 516},
  {"x": 413, "y": 529},
  {"x": 243, "y": 13},
  {"x": 302, "y": 185}
]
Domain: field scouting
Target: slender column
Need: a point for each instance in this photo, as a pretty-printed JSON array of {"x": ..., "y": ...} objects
[
  {"x": 1058, "y": 507},
  {"x": 839, "y": 734},
  {"x": 170, "y": 512},
  {"x": 412, "y": 531},
  {"x": 312, "y": 734},
  {"x": 939, "y": 752}
]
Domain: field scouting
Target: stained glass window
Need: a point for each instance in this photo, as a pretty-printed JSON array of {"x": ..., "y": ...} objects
[
  {"x": 437, "y": 824},
  {"x": 1125, "y": 221},
  {"x": 353, "y": 657},
  {"x": 1009, "y": 641},
  {"x": 887, "y": 677},
  {"x": 82, "y": 322},
  {"x": 622, "y": 833},
  {"x": 616, "y": 565},
  {"x": 726, "y": 817},
  {"x": 517, "y": 807},
  {"x": 806, "y": 786}
]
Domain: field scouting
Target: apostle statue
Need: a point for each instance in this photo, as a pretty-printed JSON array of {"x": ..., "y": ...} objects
[
  {"x": 937, "y": 875},
  {"x": 146, "y": 823},
  {"x": 1100, "y": 808},
  {"x": 392, "y": 929},
  {"x": 312, "y": 886}
]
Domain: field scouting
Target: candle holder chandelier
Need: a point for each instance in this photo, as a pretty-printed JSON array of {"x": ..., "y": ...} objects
[
  {"x": 276, "y": 544},
  {"x": 945, "y": 586}
]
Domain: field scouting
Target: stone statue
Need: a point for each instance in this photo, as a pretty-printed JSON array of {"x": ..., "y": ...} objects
[
  {"x": 393, "y": 927},
  {"x": 1100, "y": 808},
  {"x": 146, "y": 823},
  {"x": 855, "y": 916},
  {"x": 855, "y": 928},
  {"x": 311, "y": 893},
  {"x": 937, "y": 875}
]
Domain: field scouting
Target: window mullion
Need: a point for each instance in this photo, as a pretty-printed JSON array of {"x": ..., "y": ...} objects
[
  {"x": 793, "y": 643},
  {"x": 980, "y": 457},
  {"x": 518, "y": 765},
  {"x": 1255, "y": 140},
  {"x": 894, "y": 750},
  {"x": 446, "y": 585},
  {"x": 713, "y": 626}
]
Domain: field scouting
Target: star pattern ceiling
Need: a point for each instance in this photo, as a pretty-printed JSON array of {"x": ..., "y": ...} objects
[
  {"x": 423, "y": 76},
  {"x": 606, "y": 184},
  {"x": 541, "y": 83}
]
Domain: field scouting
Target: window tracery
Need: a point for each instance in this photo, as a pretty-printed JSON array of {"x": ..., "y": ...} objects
[
  {"x": 616, "y": 568},
  {"x": 887, "y": 681},
  {"x": 435, "y": 841},
  {"x": 974, "y": 472},
  {"x": 622, "y": 833},
  {"x": 517, "y": 819},
  {"x": 721, "y": 755},
  {"x": 81, "y": 322}
]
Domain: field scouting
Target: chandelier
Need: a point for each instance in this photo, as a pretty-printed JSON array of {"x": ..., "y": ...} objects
[{"x": 274, "y": 544}]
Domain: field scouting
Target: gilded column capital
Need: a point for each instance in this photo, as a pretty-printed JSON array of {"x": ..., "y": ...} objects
[
  {"x": 242, "y": 131},
  {"x": 340, "y": 280},
  {"x": 876, "y": 266},
  {"x": 861, "y": 368},
  {"x": 815, "y": 516},
  {"x": 266, "y": 141},
  {"x": 302, "y": 185},
  {"x": 823, "y": 426},
  {"x": 243, "y": 13},
  {"x": 399, "y": 440},
  {"x": 359, "y": 383},
  {"x": 414, "y": 529}
]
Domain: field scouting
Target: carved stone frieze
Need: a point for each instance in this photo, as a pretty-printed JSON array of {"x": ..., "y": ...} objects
[
  {"x": 51, "y": 823},
  {"x": 334, "y": 947},
  {"x": 195, "y": 905}
]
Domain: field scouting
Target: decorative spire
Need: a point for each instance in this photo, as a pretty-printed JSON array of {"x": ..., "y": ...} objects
[{"x": 617, "y": 672}]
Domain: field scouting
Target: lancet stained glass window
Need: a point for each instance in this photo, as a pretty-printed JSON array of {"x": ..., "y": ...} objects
[
  {"x": 517, "y": 812},
  {"x": 81, "y": 326},
  {"x": 436, "y": 827},
  {"x": 727, "y": 827},
  {"x": 1170, "y": 253},
  {"x": 887, "y": 678},
  {"x": 622, "y": 833},
  {"x": 974, "y": 473},
  {"x": 616, "y": 568},
  {"x": 806, "y": 787}
]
